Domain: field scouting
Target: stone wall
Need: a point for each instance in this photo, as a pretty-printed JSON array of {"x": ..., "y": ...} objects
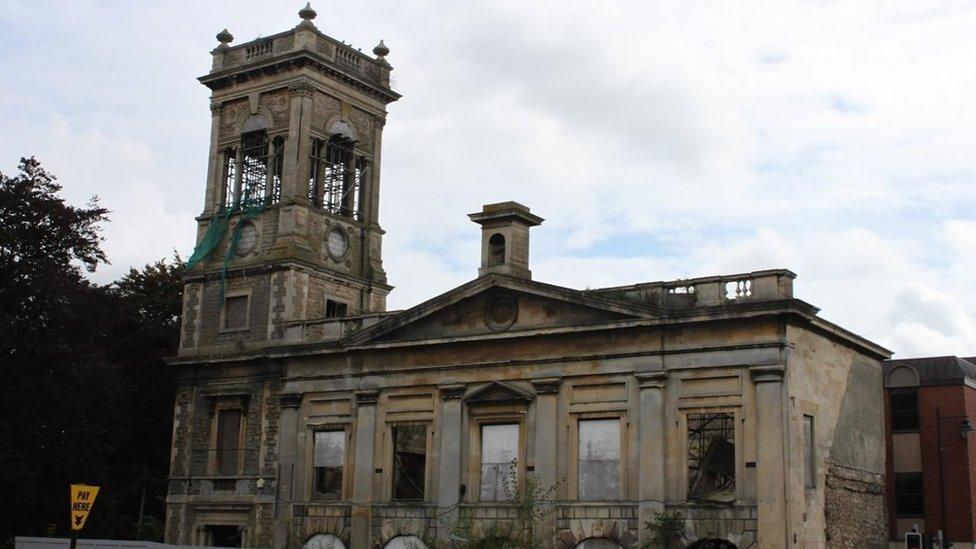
[
  {"x": 855, "y": 509},
  {"x": 392, "y": 520},
  {"x": 576, "y": 523}
]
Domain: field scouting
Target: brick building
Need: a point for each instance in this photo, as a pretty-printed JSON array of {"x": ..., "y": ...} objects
[
  {"x": 309, "y": 416},
  {"x": 928, "y": 399}
]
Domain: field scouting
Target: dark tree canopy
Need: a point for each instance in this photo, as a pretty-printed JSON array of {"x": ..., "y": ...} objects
[{"x": 87, "y": 396}]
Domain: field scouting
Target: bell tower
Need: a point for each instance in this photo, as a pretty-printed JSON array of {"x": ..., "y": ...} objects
[{"x": 290, "y": 227}]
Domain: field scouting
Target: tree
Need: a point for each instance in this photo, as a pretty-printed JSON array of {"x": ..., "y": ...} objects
[{"x": 87, "y": 397}]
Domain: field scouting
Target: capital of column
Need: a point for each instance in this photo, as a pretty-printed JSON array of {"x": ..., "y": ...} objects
[
  {"x": 216, "y": 107},
  {"x": 655, "y": 379},
  {"x": 301, "y": 89},
  {"x": 290, "y": 400},
  {"x": 767, "y": 373},
  {"x": 547, "y": 385},
  {"x": 452, "y": 391},
  {"x": 367, "y": 397}
]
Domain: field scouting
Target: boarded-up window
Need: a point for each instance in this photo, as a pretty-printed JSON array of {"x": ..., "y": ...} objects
[
  {"x": 909, "y": 496},
  {"x": 235, "y": 312},
  {"x": 330, "y": 451},
  {"x": 409, "y": 461},
  {"x": 599, "y": 459},
  {"x": 228, "y": 440},
  {"x": 809, "y": 454},
  {"x": 499, "y": 467},
  {"x": 711, "y": 457}
]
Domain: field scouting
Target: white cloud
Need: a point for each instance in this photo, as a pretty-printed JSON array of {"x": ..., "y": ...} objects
[{"x": 658, "y": 140}]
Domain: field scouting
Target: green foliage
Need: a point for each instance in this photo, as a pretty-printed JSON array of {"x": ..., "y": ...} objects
[
  {"x": 87, "y": 396},
  {"x": 664, "y": 530},
  {"x": 531, "y": 504}
]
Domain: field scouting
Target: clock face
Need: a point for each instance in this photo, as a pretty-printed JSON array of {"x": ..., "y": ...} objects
[
  {"x": 248, "y": 239},
  {"x": 337, "y": 243}
]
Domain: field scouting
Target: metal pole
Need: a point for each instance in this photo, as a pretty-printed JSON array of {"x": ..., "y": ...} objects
[
  {"x": 142, "y": 510},
  {"x": 938, "y": 444}
]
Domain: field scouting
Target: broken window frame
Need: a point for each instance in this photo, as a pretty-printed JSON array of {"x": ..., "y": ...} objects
[
  {"x": 342, "y": 434},
  {"x": 702, "y": 426},
  {"x": 252, "y": 169},
  {"x": 618, "y": 467},
  {"x": 229, "y": 178},
  {"x": 337, "y": 174},
  {"x": 510, "y": 468},
  {"x": 398, "y": 464},
  {"x": 335, "y": 308}
]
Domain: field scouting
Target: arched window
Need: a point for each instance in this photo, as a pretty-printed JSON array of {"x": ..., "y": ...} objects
[
  {"x": 336, "y": 175},
  {"x": 324, "y": 541},
  {"x": 252, "y": 171},
  {"x": 496, "y": 249},
  {"x": 405, "y": 542}
]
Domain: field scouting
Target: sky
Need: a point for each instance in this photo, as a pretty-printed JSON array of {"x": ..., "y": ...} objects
[{"x": 660, "y": 140}]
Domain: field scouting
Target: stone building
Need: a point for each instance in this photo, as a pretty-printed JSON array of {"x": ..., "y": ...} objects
[
  {"x": 930, "y": 405},
  {"x": 309, "y": 416}
]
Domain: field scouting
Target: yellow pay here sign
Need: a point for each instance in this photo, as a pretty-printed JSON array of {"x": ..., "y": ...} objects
[{"x": 82, "y": 499}]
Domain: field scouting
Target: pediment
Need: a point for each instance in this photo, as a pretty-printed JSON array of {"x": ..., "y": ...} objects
[
  {"x": 497, "y": 304},
  {"x": 497, "y": 392}
]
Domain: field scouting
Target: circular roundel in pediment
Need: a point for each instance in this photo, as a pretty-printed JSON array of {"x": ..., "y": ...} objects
[
  {"x": 501, "y": 312},
  {"x": 324, "y": 541}
]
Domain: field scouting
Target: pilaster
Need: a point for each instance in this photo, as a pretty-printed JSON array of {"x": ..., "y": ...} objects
[
  {"x": 288, "y": 449},
  {"x": 771, "y": 466},
  {"x": 298, "y": 145},
  {"x": 546, "y": 452},
  {"x": 213, "y": 195},
  {"x": 449, "y": 467},
  {"x": 362, "y": 479},
  {"x": 651, "y": 472}
]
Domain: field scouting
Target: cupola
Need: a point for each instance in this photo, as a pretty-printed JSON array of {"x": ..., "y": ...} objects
[{"x": 505, "y": 238}]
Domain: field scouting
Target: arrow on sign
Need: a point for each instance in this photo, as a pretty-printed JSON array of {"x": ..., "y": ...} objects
[{"x": 78, "y": 519}]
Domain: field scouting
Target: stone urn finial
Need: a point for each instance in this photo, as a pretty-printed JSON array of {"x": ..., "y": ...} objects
[
  {"x": 307, "y": 13},
  {"x": 224, "y": 37},
  {"x": 381, "y": 51}
]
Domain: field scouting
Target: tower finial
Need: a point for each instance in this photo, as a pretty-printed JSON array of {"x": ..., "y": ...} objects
[
  {"x": 381, "y": 51},
  {"x": 224, "y": 37},
  {"x": 307, "y": 13}
]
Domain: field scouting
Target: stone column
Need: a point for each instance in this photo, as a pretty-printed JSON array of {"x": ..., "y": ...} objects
[
  {"x": 287, "y": 450},
  {"x": 449, "y": 466},
  {"x": 362, "y": 478},
  {"x": 546, "y": 427},
  {"x": 651, "y": 469},
  {"x": 770, "y": 458}
]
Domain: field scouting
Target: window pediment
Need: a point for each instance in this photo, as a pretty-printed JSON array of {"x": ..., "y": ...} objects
[{"x": 498, "y": 392}]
